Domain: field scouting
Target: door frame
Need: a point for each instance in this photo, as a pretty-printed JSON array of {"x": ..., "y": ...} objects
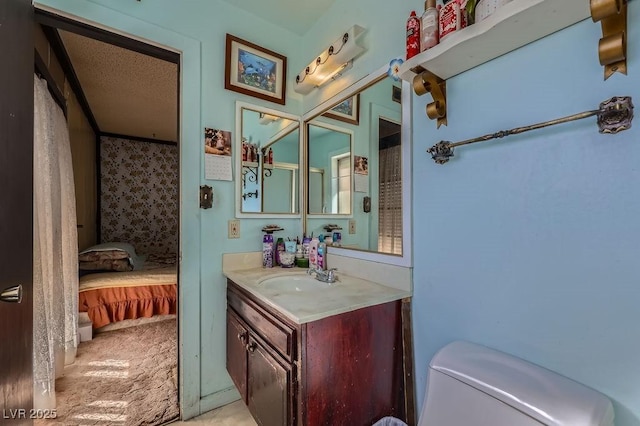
[{"x": 189, "y": 153}]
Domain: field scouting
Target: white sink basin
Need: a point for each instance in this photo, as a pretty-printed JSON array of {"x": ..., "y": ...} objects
[{"x": 294, "y": 283}]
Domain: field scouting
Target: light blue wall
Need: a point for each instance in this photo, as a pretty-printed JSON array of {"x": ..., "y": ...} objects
[{"x": 530, "y": 244}]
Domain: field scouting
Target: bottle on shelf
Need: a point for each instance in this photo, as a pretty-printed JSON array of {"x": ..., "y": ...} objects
[
  {"x": 413, "y": 35},
  {"x": 429, "y": 23},
  {"x": 451, "y": 18}
]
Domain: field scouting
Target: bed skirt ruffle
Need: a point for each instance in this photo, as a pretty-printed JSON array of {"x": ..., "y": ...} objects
[{"x": 107, "y": 305}]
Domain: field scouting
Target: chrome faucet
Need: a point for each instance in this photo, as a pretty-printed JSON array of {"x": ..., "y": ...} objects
[{"x": 327, "y": 276}]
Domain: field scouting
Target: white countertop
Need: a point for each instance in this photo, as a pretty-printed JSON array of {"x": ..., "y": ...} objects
[{"x": 346, "y": 294}]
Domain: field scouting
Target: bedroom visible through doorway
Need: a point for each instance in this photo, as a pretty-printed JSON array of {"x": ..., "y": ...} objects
[{"x": 122, "y": 116}]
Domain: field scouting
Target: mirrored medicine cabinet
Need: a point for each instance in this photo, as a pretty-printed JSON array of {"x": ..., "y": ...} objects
[
  {"x": 268, "y": 155},
  {"x": 357, "y": 163}
]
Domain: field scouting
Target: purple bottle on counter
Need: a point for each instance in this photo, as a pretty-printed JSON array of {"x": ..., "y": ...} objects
[{"x": 267, "y": 251}]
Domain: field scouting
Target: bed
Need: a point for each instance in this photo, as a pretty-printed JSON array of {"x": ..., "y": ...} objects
[{"x": 147, "y": 288}]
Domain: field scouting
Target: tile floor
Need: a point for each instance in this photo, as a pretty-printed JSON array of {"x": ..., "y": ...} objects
[{"x": 234, "y": 414}]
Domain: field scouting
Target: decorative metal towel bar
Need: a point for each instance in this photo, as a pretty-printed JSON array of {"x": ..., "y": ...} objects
[{"x": 614, "y": 115}]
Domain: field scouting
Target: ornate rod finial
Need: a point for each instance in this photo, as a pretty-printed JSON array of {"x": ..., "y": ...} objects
[
  {"x": 615, "y": 114},
  {"x": 441, "y": 152}
]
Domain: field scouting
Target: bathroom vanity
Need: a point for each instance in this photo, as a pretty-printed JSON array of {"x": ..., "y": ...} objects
[{"x": 305, "y": 355}]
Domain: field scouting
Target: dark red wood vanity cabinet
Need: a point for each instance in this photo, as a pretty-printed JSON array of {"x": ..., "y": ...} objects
[{"x": 345, "y": 369}]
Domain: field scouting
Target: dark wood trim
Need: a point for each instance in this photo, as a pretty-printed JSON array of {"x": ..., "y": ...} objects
[
  {"x": 42, "y": 70},
  {"x": 65, "y": 62},
  {"x": 57, "y": 21},
  {"x": 407, "y": 363},
  {"x": 138, "y": 138}
]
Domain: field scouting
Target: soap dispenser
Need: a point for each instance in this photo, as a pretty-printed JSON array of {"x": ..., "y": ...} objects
[
  {"x": 313, "y": 253},
  {"x": 322, "y": 253}
]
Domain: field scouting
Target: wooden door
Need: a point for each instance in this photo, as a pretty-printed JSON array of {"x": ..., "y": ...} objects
[
  {"x": 269, "y": 386},
  {"x": 16, "y": 208},
  {"x": 237, "y": 339}
]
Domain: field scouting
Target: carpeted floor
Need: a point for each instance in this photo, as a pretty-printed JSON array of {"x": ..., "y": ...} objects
[{"x": 124, "y": 377}]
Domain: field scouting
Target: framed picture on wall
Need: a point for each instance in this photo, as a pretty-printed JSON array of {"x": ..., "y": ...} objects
[
  {"x": 254, "y": 70},
  {"x": 347, "y": 110}
]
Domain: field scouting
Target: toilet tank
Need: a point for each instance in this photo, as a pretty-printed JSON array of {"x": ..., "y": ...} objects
[{"x": 472, "y": 385}]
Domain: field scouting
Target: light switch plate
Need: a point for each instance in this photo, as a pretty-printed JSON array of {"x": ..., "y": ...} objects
[
  {"x": 234, "y": 228},
  {"x": 352, "y": 226}
]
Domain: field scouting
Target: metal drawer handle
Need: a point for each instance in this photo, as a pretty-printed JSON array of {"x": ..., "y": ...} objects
[
  {"x": 251, "y": 346},
  {"x": 242, "y": 336}
]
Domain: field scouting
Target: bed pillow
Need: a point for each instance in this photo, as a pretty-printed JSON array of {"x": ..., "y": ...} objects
[
  {"x": 117, "y": 265},
  {"x": 109, "y": 257}
]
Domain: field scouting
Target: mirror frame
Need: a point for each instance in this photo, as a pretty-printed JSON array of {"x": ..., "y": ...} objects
[
  {"x": 335, "y": 128},
  {"x": 406, "y": 259},
  {"x": 302, "y": 181}
]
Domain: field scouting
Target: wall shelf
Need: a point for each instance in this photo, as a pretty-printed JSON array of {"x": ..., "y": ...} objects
[{"x": 512, "y": 26}]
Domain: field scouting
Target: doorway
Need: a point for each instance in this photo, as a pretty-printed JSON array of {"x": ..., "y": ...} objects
[{"x": 84, "y": 53}]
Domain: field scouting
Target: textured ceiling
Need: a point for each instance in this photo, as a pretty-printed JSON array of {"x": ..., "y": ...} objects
[
  {"x": 129, "y": 93},
  {"x": 295, "y": 15}
]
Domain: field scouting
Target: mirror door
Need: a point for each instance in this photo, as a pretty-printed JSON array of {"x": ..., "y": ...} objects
[
  {"x": 329, "y": 169},
  {"x": 267, "y": 164},
  {"x": 378, "y": 224}
]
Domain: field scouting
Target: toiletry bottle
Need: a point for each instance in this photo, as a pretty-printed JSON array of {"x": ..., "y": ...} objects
[
  {"x": 413, "y": 35},
  {"x": 267, "y": 251},
  {"x": 305, "y": 246},
  {"x": 313, "y": 253},
  {"x": 337, "y": 239},
  {"x": 429, "y": 26},
  {"x": 279, "y": 249},
  {"x": 290, "y": 246},
  {"x": 322, "y": 253}
]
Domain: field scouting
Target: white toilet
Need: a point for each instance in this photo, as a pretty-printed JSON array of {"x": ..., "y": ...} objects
[{"x": 471, "y": 385}]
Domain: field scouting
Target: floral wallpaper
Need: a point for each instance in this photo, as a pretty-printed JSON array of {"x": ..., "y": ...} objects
[{"x": 139, "y": 194}]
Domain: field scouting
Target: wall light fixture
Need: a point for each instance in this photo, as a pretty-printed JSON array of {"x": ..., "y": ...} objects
[{"x": 331, "y": 63}]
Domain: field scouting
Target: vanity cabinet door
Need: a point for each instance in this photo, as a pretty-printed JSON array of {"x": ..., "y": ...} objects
[
  {"x": 269, "y": 386},
  {"x": 237, "y": 340}
]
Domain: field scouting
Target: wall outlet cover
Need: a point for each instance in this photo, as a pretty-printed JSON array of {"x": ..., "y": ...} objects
[
  {"x": 352, "y": 226},
  {"x": 234, "y": 228}
]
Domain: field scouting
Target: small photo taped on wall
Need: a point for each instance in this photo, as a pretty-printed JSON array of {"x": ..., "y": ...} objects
[
  {"x": 361, "y": 165},
  {"x": 217, "y": 142}
]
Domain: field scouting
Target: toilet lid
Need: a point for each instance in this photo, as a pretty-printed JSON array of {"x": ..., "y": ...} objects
[{"x": 546, "y": 396}]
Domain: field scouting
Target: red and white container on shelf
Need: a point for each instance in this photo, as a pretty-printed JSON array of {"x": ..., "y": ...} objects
[
  {"x": 413, "y": 35},
  {"x": 453, "y": 17}
]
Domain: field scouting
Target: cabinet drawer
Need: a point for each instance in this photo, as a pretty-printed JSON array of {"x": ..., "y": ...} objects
[{"x": 278, "y": 334}]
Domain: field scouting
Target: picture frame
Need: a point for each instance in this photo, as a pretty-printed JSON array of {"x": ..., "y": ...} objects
[
  {"x": 255, "y": 71},
  {"x": 347, "y": 110}
]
